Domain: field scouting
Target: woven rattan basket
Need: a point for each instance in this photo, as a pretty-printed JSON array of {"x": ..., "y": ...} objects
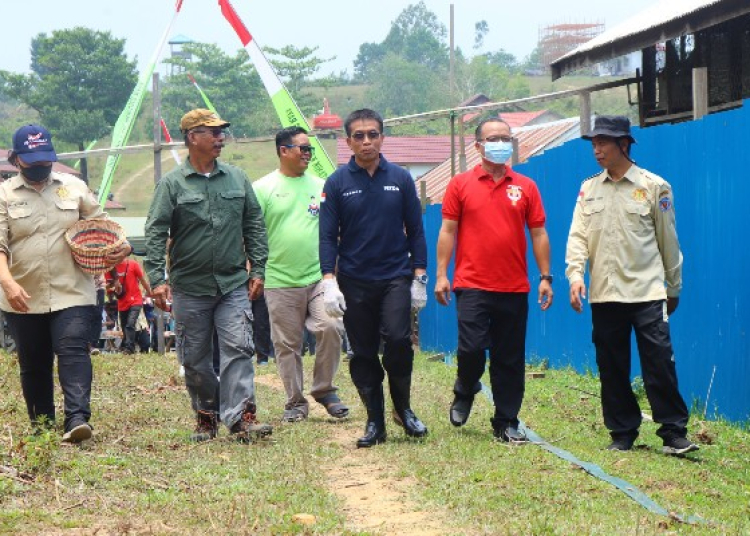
[{"x": 91, "y": 241}]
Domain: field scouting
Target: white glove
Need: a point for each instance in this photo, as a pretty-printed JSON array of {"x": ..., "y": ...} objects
[
  {"x": 418, "y": 295},
  {"x": 333, "y": 299}
]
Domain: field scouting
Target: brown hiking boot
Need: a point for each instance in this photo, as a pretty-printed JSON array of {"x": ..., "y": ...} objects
[
  {"x": 248, "y": 426},
  {"x": 207, "y": 426}
]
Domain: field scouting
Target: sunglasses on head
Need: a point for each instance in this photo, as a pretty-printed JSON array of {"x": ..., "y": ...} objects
[
  {"x": 360, "y": 136},
  {"x": 216, "y": 132},
  {"x": 303, "y": 148}
]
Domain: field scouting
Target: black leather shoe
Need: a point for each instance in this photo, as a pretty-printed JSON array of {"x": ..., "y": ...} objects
[
  {"x": 510, "y": 434},
  {"x": 374, "y": 435},
  {"x": 460, "y": 410},
  {"x": 411, "y": 423}
]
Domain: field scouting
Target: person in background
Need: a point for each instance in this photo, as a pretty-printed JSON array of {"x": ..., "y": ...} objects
[
  {"x": 372, "y": 240},
  {"x": 208, "y": 211},
  {"x": 126, "y": 280},
  {"x": 290, "y": 198},
  {"x": 48, "y": 300},
  {"x": 97, "y": 325},
  {"x": 262, "y": 331},
  {"x": 624, "y": 227}
]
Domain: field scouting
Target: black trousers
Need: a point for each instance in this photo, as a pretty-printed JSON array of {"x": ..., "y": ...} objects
[
  {"x": 38, "y": 338},
  {"x": 613, "y": 324},
  {"x": 494, "y": 321},
  {"x": 128, "y": 320},
  {"x": 375, "y": 310},
  {"x": 261, "y": 328},
  {"x": 96, "y": 323}
]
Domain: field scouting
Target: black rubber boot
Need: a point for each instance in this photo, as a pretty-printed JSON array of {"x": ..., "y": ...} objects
[
  {"x": 372, "y": 398},
  {"x": 402, "y": 412}
]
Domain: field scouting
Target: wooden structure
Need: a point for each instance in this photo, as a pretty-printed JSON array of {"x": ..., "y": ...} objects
[{"x": 695, "y": 57}]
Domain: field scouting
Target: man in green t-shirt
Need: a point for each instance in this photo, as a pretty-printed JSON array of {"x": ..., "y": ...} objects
[{"x": 290, "y": 199}]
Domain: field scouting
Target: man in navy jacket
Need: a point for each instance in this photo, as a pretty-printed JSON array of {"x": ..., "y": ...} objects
[{"x": 372, "y": 240}]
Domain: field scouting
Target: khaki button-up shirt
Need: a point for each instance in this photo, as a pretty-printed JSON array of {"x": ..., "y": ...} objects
[
  {"x": 626, "y": 230},
  {"x": 32, "y": 235}
]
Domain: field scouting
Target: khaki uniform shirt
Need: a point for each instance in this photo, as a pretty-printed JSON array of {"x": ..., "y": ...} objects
[
  {"x": 626, "y": 230},
  {"x": 32, "y": 235}
]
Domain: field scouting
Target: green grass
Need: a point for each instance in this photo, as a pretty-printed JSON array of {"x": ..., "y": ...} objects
[{"x": 141, "y": 471}]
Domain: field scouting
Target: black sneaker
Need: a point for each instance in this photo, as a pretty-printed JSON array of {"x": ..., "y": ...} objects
[
  {"x": 677, "y": 446},
  {"x": 207, "y": 426},
  {"x": 621, "y": 444}
]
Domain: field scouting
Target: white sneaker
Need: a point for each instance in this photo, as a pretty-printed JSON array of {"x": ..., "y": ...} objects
[{"x": 182, "y": 371}]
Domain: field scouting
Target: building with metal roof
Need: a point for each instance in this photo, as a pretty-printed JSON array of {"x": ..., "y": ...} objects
[{"x": 695, "y": 57}]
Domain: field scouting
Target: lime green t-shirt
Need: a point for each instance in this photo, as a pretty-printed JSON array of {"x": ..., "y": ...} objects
[{"x": 291, "y": 208}]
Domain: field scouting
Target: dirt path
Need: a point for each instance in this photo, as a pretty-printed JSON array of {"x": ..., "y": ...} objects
[{"x": 373, "y": 499}]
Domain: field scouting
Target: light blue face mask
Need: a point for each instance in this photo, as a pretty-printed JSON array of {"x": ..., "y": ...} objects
[{"x": 498, "y": 152}]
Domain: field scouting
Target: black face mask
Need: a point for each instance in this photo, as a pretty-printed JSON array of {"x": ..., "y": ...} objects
[{"x": 37, "y": 173}]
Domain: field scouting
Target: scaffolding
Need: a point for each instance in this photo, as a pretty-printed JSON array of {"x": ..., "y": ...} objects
[{"x": 559, "y": 39}]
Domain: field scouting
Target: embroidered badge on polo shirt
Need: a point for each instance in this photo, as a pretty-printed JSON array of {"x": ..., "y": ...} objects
[
  {"x": 62, "y": 192},
  {"x": 515, "y": 193}
]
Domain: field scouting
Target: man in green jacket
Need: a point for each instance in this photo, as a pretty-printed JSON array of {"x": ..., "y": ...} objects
[{"x": 207, "y": 212}]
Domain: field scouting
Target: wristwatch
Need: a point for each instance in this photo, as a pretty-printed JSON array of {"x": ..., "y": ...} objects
[
  {"x": 546, "y": 277},
  {"x": 422, "y": 278}
]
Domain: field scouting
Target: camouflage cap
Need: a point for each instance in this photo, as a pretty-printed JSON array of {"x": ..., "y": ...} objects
[{"x": 200, "y": 117}]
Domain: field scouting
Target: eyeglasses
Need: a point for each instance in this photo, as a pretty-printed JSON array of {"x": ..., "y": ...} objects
[
  {"x": 495, "y": 139},
  {"x": 360, "y": 136},
  {"x": 303, "y": 148},
  {"x": 216, "y": 132}
]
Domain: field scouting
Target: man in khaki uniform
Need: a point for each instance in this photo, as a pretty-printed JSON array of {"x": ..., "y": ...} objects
[{"x": 624, "y": 226}]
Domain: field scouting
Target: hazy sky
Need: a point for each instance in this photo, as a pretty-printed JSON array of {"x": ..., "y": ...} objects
[{"x": 337, "y": 27}]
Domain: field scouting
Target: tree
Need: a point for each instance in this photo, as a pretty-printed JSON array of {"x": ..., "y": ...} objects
[
  {"x": 297, "y": 65},
  {"x": 80, "y": 81},
  {"x": 503, "y": 59},
  {"x": 230, "y": 82},
  {"x": 481, "y": 75},
  {"x": 400, "y": 87},
  {"x": 481, "y": 29},
  {"x": 416, "y": 35}
]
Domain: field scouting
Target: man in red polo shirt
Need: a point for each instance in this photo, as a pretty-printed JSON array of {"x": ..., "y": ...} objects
[{"x": 485, "y": 214}]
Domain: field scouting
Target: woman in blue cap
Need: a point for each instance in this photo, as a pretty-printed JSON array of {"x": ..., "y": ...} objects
[{"x": 47, "y": 299}]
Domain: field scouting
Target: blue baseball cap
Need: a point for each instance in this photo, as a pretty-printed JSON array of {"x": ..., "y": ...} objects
[{"x": 33, "y": 143}]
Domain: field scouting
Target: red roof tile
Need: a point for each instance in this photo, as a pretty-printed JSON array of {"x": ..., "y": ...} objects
[
  {"x": 406, "y": 149},
  {"x": 519, "y": 119}
]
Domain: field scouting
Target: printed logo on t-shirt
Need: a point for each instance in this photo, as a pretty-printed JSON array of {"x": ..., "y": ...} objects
[
  {"x": 313, "y": 208},
  {"x": 391, "y": 188},
  {"x": 515, "y": 193},
  {"x": 351, "y": 192}
]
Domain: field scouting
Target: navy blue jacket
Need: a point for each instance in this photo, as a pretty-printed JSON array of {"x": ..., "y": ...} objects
[{"x": 371, "y": 224}]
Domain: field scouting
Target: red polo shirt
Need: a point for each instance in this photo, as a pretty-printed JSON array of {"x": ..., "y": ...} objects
[
  {"x": 129, "y": 272},
  {"x": 492, "y": 220}
]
